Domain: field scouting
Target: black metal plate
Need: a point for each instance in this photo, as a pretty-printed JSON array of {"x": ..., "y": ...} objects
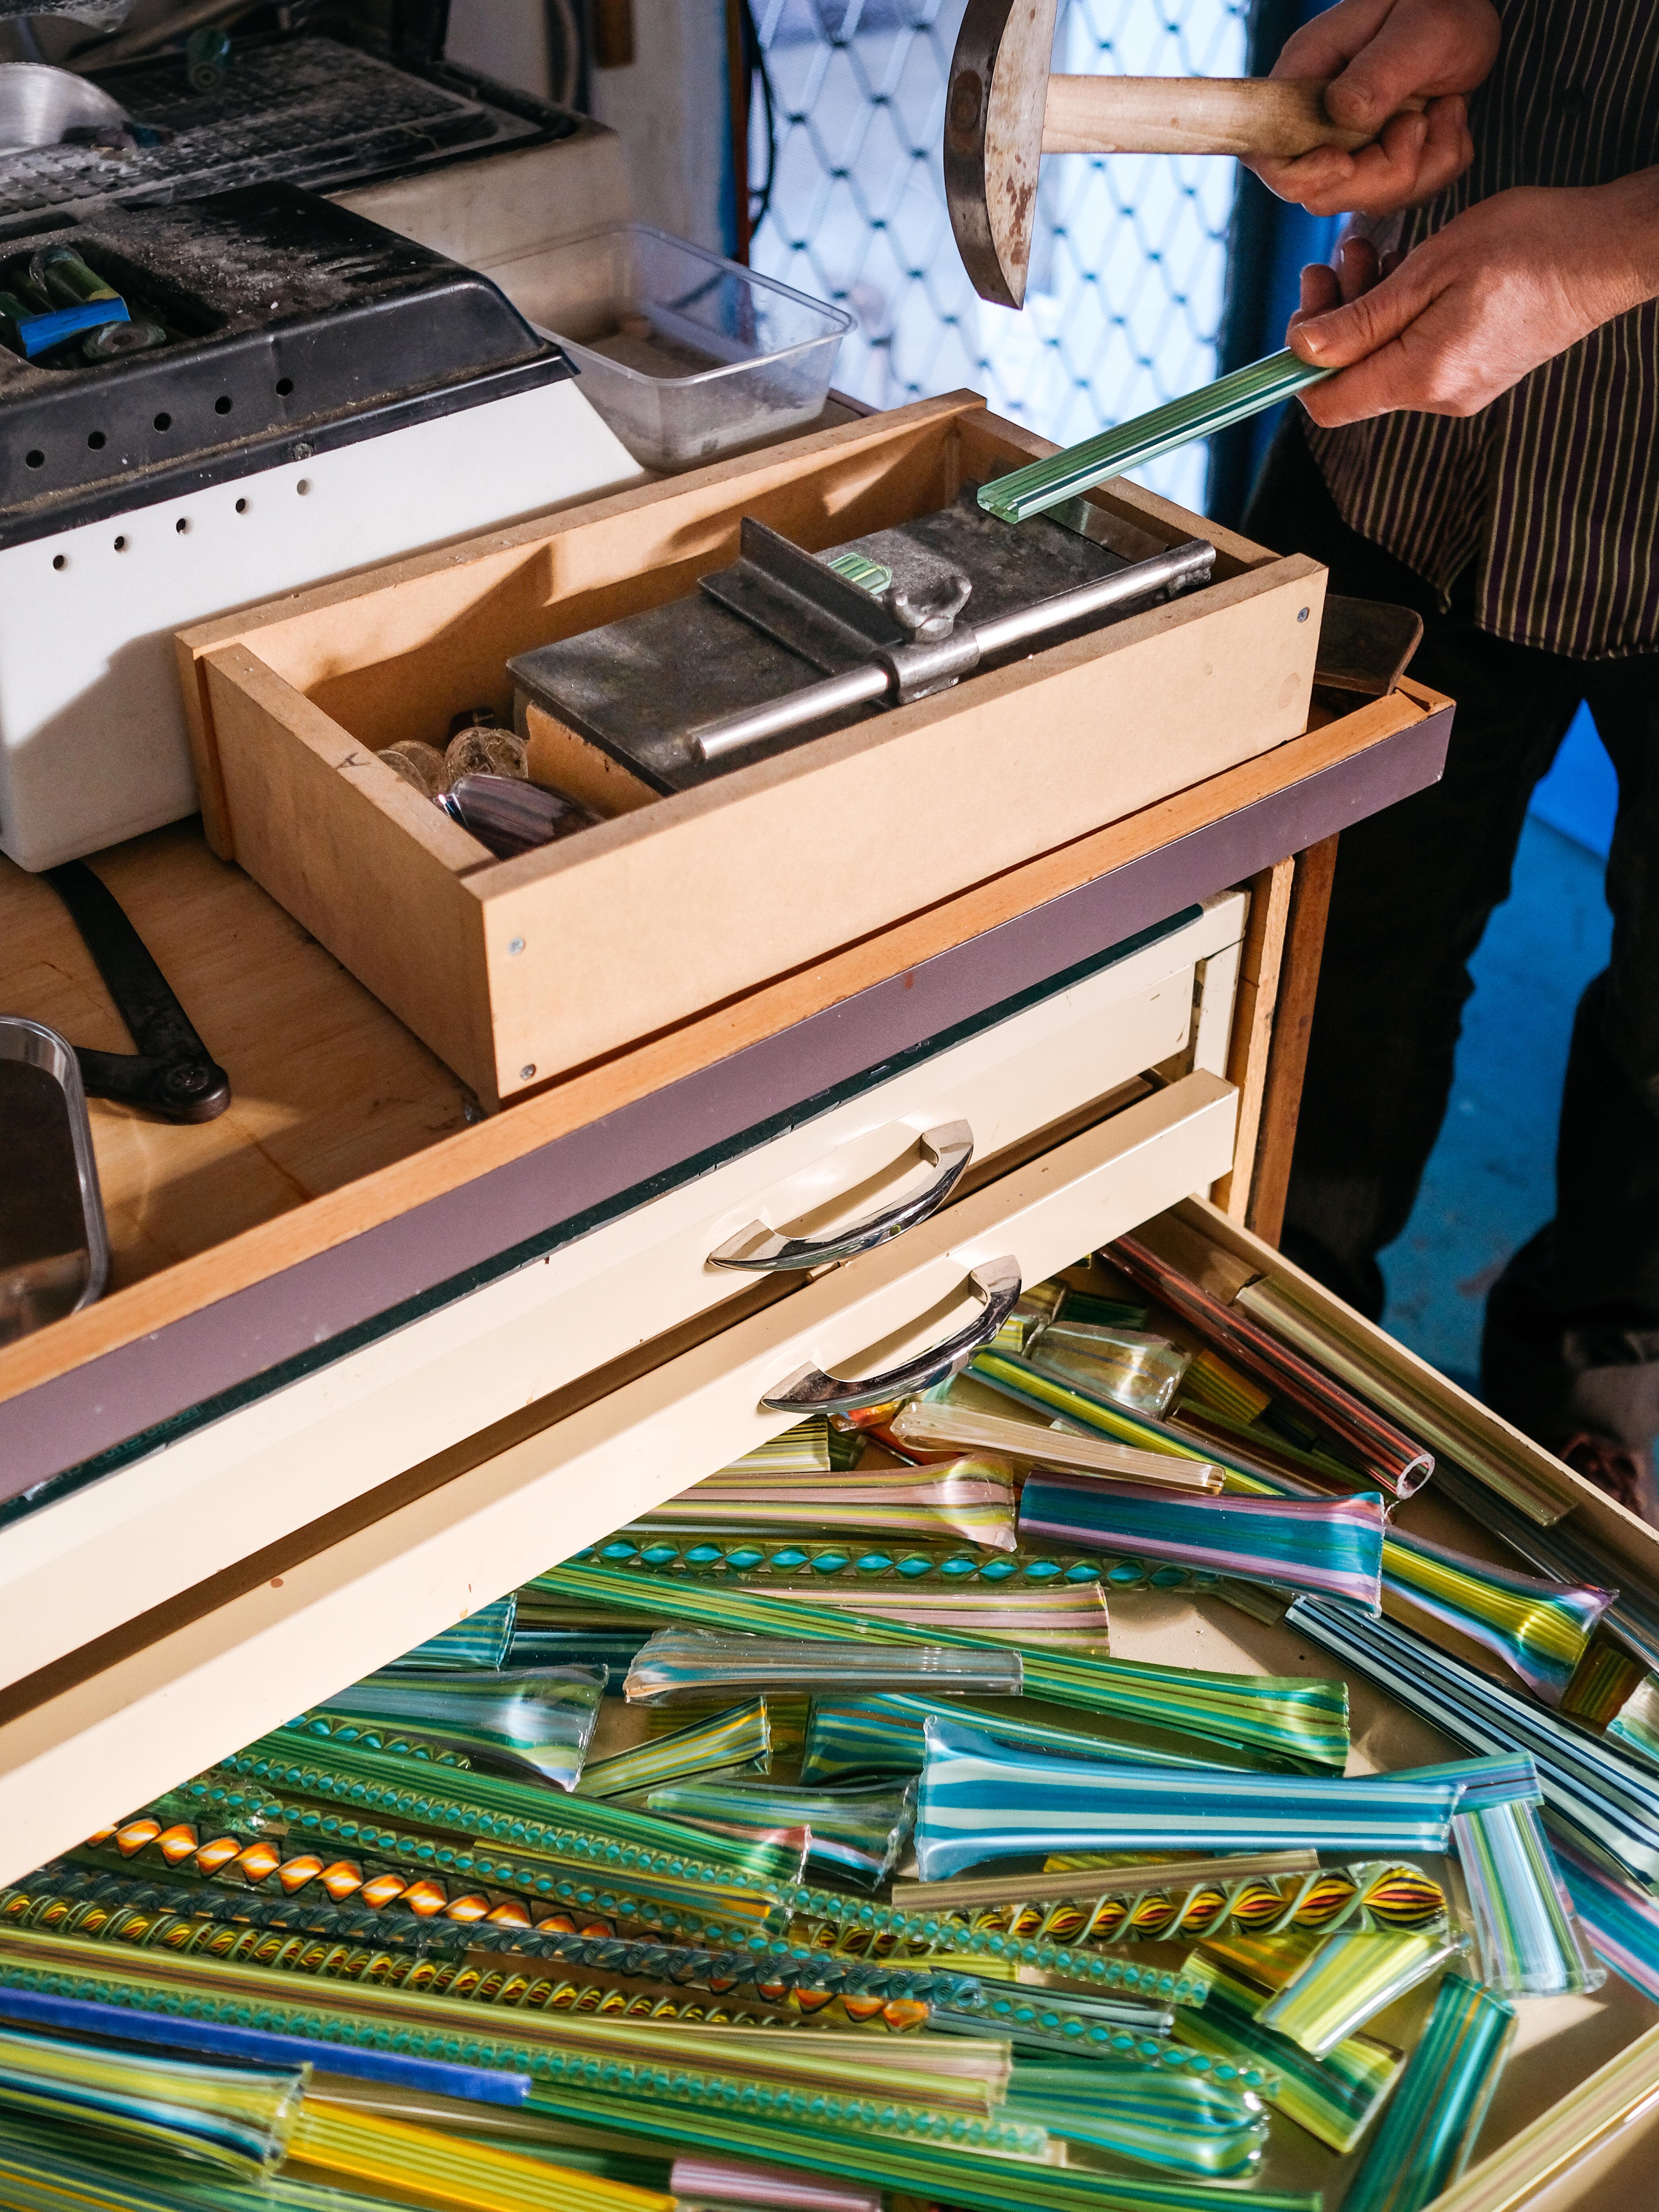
[{"x": 638, "y": 687}]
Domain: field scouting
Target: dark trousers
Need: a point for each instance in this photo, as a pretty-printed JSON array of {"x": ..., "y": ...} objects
[{"x": 1572, "y": 1326}]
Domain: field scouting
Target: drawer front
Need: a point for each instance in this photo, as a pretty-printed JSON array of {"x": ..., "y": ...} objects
[
  {"x": 76, "y": 1568},
  {"x": 93, "y": 1751}
]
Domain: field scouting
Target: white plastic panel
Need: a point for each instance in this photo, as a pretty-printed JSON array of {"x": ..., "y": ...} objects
[{"x": 92, "y": 744}]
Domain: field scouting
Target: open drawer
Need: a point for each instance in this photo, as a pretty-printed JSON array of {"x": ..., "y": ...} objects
[
  {"x": 330, "y": 1438},
  {"x": 234, "y": 1658},
  {"x": 349, "y": 1271},
  {"x": 516, "y": 971}
]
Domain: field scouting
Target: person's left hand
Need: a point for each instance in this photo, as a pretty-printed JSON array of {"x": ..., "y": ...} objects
[{"x": 1508, "y": 284}]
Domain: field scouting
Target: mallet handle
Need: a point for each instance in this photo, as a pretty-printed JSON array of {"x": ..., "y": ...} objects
[{"x": 1279, "y": 116}]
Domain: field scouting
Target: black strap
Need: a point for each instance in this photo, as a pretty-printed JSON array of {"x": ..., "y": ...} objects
[{"x": 171, "y": 1073}]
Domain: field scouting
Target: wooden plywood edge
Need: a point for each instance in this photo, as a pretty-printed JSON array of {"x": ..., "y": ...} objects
[
  {"x": 1251, "y": 1044},
  {"x": 204, "y": 753},
  {"x": 589, "y": 1094},
  {"x": 1290, "y": 1035}
]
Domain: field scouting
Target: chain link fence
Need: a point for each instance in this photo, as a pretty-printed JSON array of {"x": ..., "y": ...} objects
[{"x": 1129, "y": 265}]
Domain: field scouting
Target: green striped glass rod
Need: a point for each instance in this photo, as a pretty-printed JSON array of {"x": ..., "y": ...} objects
[
  {"x": 1334, "y": 2097},
  {"x": 934, "y": 2170},
  {"x": 1296, "y": 1717},
  {"x": 1246, "y": 392},
  {"x": 1430, "y": 2128}
]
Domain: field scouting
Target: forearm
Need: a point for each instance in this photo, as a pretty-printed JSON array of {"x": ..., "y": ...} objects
[{"x": 1623, "y": 264}]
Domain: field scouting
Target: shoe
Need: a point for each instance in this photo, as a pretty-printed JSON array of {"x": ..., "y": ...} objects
[{"x": 1604, "y": 1463}]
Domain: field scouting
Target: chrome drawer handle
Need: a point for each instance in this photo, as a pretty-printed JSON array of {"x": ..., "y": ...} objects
[
  {"x": 949, "y": 1148},
  {"x": 809, "y": 1391}
]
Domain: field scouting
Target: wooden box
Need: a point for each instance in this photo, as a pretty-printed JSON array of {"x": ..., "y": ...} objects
[{"x": 517, "y": 971}]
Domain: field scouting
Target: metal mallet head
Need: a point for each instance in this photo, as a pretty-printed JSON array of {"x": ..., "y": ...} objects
[{"x": 994, "y": 139}]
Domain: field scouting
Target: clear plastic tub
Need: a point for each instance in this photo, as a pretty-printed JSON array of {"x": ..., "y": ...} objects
[{"x": 686, "y": 355}]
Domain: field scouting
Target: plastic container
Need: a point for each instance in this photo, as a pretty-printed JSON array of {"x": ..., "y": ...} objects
[{"x": 686, "y": 355}]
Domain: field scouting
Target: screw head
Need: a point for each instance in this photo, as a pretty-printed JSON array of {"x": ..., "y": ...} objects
[
  {"x": 515, "y": 945},
  {"x": 1304, "y": 613},
  {"x": 525, "y": 1074}
]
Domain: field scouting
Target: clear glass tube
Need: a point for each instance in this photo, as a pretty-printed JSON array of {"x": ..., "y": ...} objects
[
  {"x": 929, "y": 1424},
  {"x": 541, "y": 1719},
  {"x": 858, "y": 1832},
  {"x": 1349, "y": 1980},
  {"x": 739, "y": 1737},
  {"x": 481, "y": 1642},
  {"x": 970, "y": 1498},
  {"x": 1541, "y": 1630},
  {"x": 1334, "y": 2097},
  {"x": 238, "y": 2121},
  {"x": 1173, "y": 2123},
  {"x": 1530, "y": 1943},
  {"x": 1139, "y": 1370},
  {"x": 681, "y": 1665},
  {"x": 1304, "y": 1718}
]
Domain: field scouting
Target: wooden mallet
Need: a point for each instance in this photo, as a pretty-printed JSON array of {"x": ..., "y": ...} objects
[{"x": 1004, "y": 111}]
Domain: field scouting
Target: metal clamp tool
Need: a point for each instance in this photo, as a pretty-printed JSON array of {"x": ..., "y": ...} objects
[
  {"x": 899, "y": 659},
  {"x": 171, "y": 1073}
]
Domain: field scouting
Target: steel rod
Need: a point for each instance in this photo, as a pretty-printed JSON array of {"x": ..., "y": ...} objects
[{"x": 884, "y": 679}]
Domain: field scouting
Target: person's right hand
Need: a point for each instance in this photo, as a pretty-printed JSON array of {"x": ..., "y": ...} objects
[{"x": 1376, "y": 53}]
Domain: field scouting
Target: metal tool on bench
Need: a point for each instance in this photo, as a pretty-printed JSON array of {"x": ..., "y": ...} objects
[
  {"x": 786, "y": 645},
  {"x": 171, "y": 1073},
  {"x": 302, "y": 391},
  {"x": 54, "y": 1249},
  {"x": 1004, "y": 111}
]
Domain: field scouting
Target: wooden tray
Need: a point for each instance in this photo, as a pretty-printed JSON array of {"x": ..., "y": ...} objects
[{"x": 516, "y": 972}]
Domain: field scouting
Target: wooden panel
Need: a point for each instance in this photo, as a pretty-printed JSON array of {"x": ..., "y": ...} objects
[
  {"x": 1292, "y": 1027},
  {"x": 366, "y": 864},
  {"x": 326, "y": 1086},
  {"x": 639, "y": 923},
  {"x": 1251, "y": 1046},
  {"x": 586, "y": 1097}
]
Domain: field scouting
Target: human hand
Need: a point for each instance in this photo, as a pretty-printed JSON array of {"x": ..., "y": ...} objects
[
  {"x": 1375, "y": 54},
  {"x": 1511, "y": 282}
]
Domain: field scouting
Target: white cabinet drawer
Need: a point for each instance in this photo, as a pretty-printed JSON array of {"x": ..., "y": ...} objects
[
  {"x": 79, "y": 1566},
  {"x": 89, "y": 1753}
]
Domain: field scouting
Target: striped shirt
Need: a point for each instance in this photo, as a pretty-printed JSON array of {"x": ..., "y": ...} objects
[{"x": 1552, "y": 491}]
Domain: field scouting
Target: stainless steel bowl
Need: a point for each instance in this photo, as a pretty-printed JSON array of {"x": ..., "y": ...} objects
[
  {"x": 54, "y": 1249},
  {"x": 38, "y": 104}
]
